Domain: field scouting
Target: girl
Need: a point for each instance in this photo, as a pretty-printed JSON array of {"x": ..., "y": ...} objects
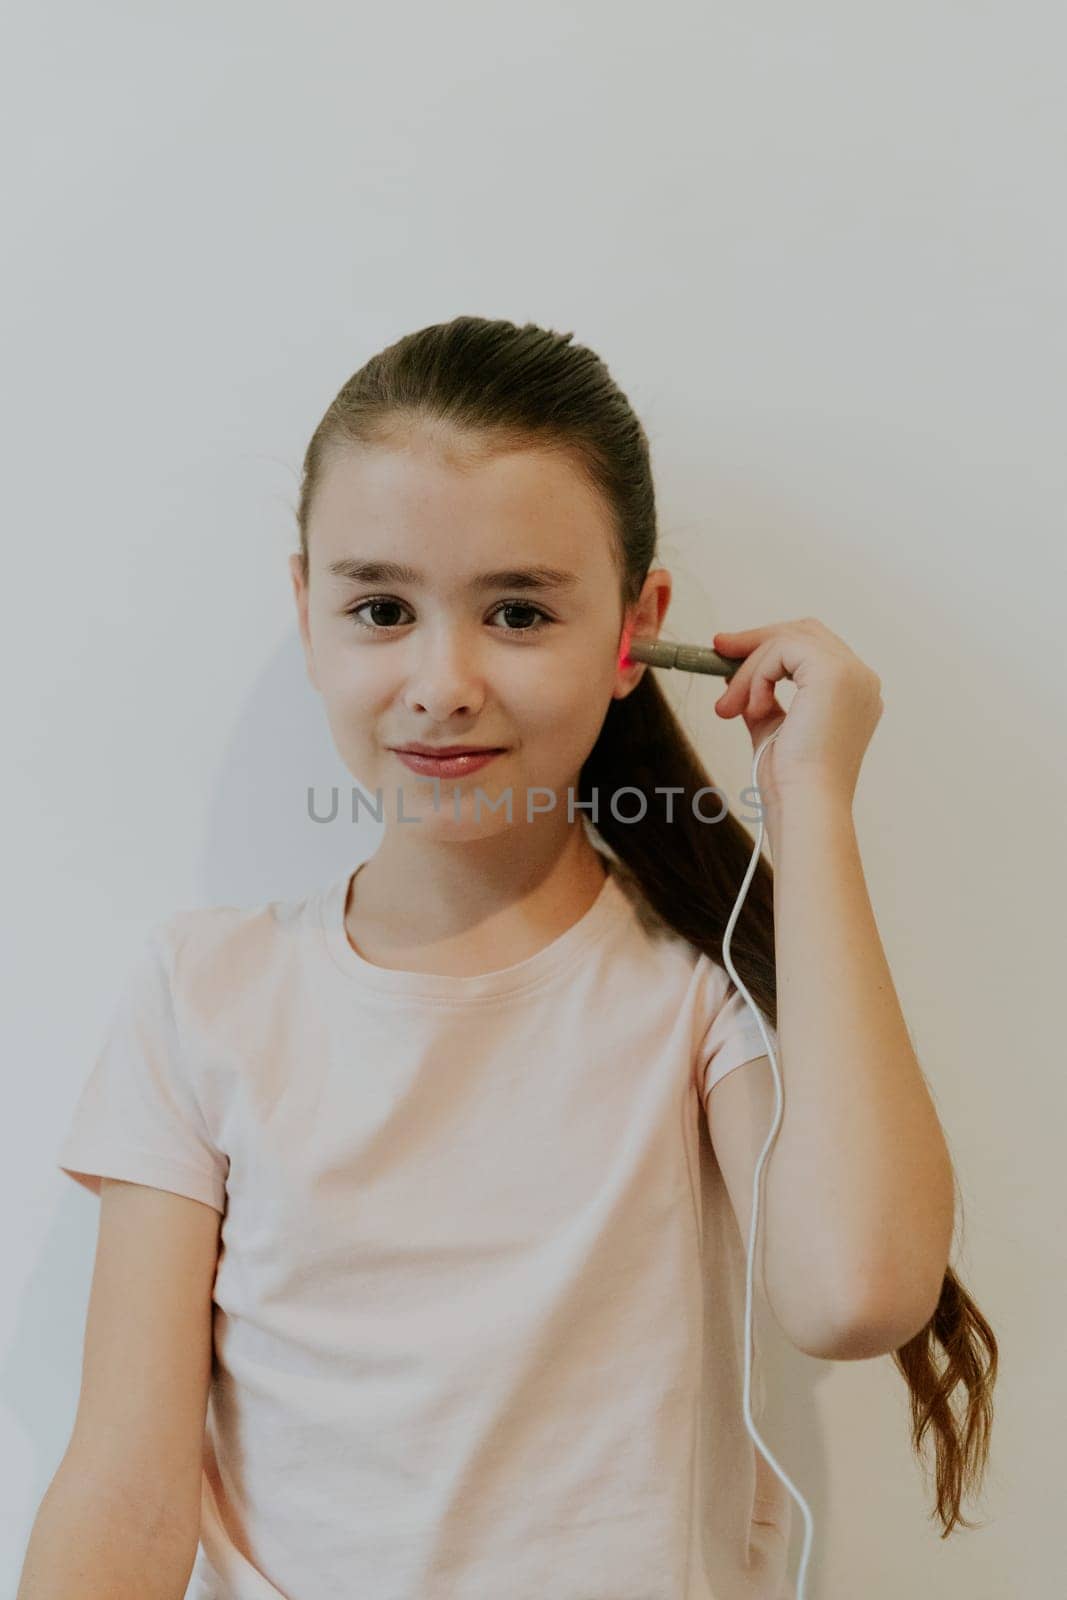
[{"x": 470, "y": 1122}]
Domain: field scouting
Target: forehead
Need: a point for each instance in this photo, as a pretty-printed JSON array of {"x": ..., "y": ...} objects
[{"x": 444, "y": 514}]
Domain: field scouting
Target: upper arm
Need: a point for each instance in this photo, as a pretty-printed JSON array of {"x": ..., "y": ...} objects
[
  {"x": 740, "y": 1110},
  {"x": 147, "y": 1360}
]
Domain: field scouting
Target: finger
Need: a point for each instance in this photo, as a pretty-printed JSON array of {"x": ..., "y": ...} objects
[
  {"x": 755, "y": 698},
  {"x": 763, "y": 713},
  {"x": 746, "y": 639},
  {"x": 762, "y": 700},
  {"x": 736, "y": 696},
  {"x": 760, "y": 728},
  {"x": 753, "y": 683}
]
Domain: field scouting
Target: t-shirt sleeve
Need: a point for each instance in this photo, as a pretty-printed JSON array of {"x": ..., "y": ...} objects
[
  {"x": 137, "y": 1116},
  {"x": 732, "y": 1037}
]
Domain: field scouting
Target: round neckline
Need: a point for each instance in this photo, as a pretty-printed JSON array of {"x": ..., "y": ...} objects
[{"x": 555, "y": 957}]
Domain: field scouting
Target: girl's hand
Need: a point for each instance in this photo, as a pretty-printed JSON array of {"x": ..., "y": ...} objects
[{"x": 831, "y": 717}]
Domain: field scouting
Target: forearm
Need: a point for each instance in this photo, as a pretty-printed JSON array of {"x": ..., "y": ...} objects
[
  {"x": 859, "y": 1183},
  {"x": 92, "y": 1543}
]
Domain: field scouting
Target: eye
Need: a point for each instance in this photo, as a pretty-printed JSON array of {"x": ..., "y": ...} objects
[
  {"x": 505, "y": 605},
  {"x": 354, "y": 611}
]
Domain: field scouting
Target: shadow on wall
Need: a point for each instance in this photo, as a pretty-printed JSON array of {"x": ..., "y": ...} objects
[{"x": 260, "y": 843}]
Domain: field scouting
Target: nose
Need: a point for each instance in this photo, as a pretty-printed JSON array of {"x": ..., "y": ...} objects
[{"x": 445, "y": 679}]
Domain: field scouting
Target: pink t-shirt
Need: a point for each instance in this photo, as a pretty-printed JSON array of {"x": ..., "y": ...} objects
[{"x": 479, "y": 1301}]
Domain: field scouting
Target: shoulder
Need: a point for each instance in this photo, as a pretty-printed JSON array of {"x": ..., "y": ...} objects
[
  {"x": 218, "y": 950},
  {"x": 706, "y": 980},
  {"x": 647, "y": 918}
]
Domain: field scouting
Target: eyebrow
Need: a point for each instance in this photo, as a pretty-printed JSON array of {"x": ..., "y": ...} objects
[{"x": 536, "y": 577}]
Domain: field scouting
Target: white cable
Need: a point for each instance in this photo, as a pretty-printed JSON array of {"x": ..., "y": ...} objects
[{"x": 764, "y": 1451}]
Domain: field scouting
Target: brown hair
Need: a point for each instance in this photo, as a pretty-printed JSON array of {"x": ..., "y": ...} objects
[{"x": 504, "y": 387}]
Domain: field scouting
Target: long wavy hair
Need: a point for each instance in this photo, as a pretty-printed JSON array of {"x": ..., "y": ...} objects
[{"x": 505, "y": 387}]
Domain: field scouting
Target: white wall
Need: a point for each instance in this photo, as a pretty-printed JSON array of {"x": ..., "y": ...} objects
[{"x": 820, "y": 248}]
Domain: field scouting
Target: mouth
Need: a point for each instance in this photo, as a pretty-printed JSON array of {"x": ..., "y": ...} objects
[
  {"x": 443, "y": 764},
  {"x": 439, "y": 752}
]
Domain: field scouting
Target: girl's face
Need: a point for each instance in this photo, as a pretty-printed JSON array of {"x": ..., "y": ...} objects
[{"x": 479, "y": 642}]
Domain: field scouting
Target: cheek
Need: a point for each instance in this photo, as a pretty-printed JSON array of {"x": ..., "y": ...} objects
[
  {"x": 563, "y": 712},
  {"x": 360, "y": 683}
]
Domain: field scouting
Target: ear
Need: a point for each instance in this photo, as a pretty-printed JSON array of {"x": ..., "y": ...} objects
[
  {"x": 300, "y": 594},
  {"x": 644, "y": 618}
]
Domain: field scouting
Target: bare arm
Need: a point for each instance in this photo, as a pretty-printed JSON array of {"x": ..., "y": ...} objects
[
  {"x": 859, "y": 1187},
  {"x": 121, "y": 1517},
  {"x": 92, "y": 1541}
]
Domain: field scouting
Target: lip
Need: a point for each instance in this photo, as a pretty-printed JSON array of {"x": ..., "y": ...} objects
[
  {"x": 456, "y": 766},
  {"x": 440, "y": 752}
]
